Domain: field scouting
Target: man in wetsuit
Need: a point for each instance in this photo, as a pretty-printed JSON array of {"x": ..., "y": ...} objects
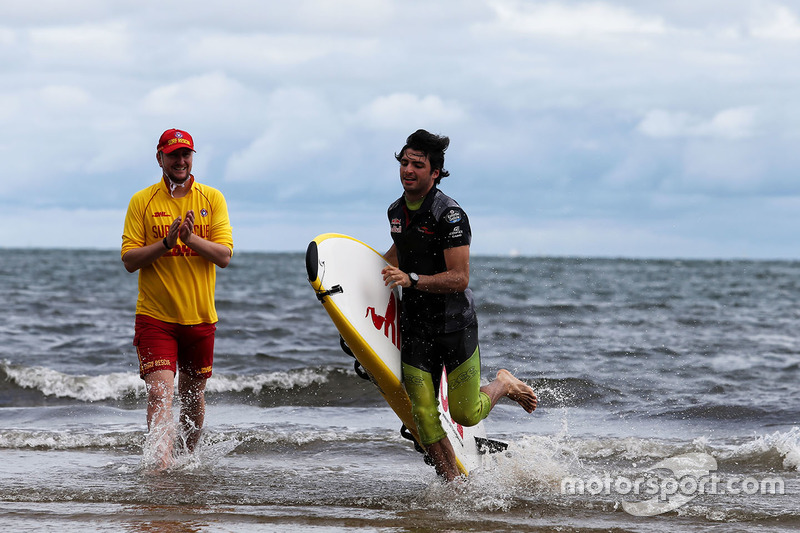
[{"x": 430, "y": 260}]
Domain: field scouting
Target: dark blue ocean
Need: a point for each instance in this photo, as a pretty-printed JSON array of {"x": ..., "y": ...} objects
[{"x": 635, "y": 362}]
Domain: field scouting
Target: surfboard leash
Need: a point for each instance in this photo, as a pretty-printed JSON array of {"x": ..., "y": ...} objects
[{"x": 406, "y": 434}]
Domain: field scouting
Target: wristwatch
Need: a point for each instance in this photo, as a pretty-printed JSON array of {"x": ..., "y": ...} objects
[{"x": 414, "y": 279}]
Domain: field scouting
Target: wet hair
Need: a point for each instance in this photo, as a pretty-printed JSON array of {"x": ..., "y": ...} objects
[{"x": 433, "y": 146}]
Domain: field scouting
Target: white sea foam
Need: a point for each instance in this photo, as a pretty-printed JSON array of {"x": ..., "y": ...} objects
[
  {"x": 786, "y": 444},
  {"x": 60, "y": 440},
  {"x": 85, "y": 388},
  {"x": 298, "y": 437},
  {"x": 272, "y": 380},
  {"x": 138, "y": 438},
  {"x": 118, "y": 385},
  {"x": 531, "y": 466}
]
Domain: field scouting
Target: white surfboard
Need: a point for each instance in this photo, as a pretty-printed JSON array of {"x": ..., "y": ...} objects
[{"x": 346, "y": 275}]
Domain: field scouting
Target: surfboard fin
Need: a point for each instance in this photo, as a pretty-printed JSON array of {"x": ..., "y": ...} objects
[{"x": 490, "y": 445}]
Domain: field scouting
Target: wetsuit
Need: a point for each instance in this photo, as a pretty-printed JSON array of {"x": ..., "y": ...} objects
[{"x": 437, "y": 329}]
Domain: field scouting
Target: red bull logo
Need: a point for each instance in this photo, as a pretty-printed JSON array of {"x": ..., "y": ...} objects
[{"x": 387, "y": 322}]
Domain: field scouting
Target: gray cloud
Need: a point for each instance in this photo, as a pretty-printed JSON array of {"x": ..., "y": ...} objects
[{"x": 584, "y": 128}]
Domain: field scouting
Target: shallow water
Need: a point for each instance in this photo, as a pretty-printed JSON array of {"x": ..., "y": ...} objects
[{"x": 634, "y": 362}]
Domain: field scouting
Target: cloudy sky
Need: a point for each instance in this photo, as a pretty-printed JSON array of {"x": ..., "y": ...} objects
[{"x": 584, "y": 128}]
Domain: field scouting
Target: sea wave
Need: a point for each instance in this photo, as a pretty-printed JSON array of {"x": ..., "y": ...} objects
[
  {"x": 127, "y": 385},
  {"x": 783, "y": 447},
  {"x": 60, "y": 440},
  {"x": 251, "y": 440},
  {"x": 779, "y": 450},
  {"x": 274, "y": 380},
  {"x": 49, "y": 382},
  {"x": 573, "y": 392}
]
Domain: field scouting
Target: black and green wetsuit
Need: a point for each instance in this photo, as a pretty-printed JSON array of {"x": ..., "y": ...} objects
[{"x": 437, "y": 329}]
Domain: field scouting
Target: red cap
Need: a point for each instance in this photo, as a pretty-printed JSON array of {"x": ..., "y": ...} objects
[{"x": 173, "y": 139}]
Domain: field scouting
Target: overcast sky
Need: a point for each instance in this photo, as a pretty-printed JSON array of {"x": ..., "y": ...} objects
[{"x": 605, "y": 128}]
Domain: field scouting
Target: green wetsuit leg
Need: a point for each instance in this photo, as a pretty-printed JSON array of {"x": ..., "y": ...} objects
[
  {"x": 468, "y": 404},
  {"x": 424, "y": 404}
]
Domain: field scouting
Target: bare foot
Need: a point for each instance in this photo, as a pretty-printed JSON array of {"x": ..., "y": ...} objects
[
  {"x": 158, "y": 454},
  {"x": 517, "y": 390},
  {"x": 444, "y": 459}
]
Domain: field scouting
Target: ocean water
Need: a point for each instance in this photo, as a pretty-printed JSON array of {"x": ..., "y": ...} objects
[{"x": 636, "y": 363}]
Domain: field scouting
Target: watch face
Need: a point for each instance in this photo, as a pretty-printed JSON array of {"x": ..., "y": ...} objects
[{"x": 414, "y": 278}]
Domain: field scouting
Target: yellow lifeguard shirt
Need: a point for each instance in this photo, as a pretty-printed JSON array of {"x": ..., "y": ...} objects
[{"x": 179, "y": 286}]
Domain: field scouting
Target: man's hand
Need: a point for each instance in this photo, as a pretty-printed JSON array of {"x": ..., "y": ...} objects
[
  {"x": 172, "y": 233},
  {"x": 394, "y": 277},
  {"x": 186, "y": 229}
]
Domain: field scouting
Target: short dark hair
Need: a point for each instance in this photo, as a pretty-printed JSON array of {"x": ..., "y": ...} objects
[{"x": 433, "y": 146}]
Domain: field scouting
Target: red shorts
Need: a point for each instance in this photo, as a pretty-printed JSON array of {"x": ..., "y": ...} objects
[{"x": 168, "y": 346}]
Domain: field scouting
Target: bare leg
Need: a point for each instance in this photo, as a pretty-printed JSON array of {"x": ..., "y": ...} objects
[
  {"x": 160, "y": 387},
  {"x": 193, "y": 407},
  {"x": 506, "y": 384},
  {"x": 444, "y": 459}
]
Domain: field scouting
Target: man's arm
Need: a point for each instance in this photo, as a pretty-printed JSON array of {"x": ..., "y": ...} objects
[
  {"x": 144, "y": 256},
  {"x": 219, "y": 254},
  {"x": 391, "y": 256},
  {"x": 147, "y": 255},
  {"x": 454, "y": 279}
]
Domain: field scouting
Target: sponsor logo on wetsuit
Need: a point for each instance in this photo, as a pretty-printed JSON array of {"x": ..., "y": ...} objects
[
  {"x": 453, "y": 216},
  {"x": 397, "y": 226}
]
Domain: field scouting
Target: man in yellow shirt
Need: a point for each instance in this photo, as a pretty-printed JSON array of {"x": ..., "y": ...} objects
[{"x": 176, "y": 232}]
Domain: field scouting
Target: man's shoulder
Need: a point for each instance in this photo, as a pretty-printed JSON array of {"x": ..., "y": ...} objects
[
  {"x": 207, "y": 190},
  {"x": 396, "y": 204},
  {"x": 443, "y": 204},
  {"x": 441, "y": 197}
]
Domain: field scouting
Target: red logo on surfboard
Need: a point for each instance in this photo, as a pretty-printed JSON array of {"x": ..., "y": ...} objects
[
  {"x": 446, "y": 404},
  {"x": 388, "y": 321}
]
